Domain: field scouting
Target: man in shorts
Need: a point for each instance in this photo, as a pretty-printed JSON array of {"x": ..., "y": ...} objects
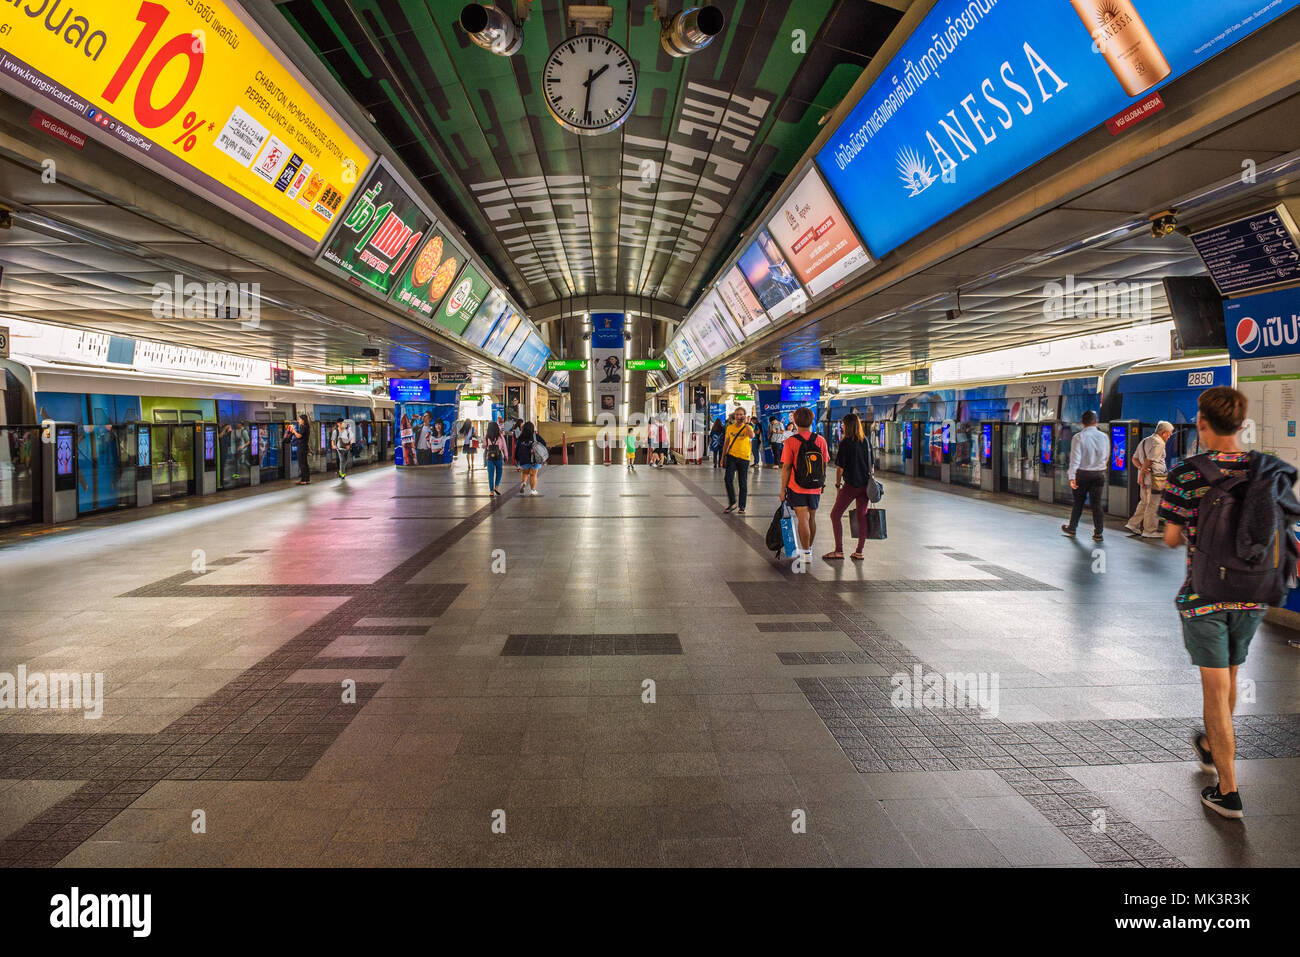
[
  {"x": 1217, "y": 634},
  {"x": 804, "y": 457}
]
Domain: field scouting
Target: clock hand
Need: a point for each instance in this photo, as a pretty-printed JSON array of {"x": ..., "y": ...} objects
[{"x": 591, "y": 76}]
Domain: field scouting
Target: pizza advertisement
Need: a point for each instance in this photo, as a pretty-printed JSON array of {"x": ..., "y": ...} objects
[{"x": 430, "y": 274}]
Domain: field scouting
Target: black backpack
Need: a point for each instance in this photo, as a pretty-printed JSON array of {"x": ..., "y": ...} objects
[
  {"x": 775, "y": 540},
  {"x": 809, "y": 464},
  {"x": 1218, "y": 573}
]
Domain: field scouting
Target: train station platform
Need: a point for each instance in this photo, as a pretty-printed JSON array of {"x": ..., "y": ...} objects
[{"x": 401, "y": 670}]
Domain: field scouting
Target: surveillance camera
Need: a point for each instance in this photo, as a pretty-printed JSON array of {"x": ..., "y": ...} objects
[{"x": 1163, "y": 225}]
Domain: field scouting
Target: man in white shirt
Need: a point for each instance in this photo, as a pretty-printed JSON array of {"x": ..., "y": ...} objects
[
  {"x": 1149, "y": 460},
  {"x": 1089, "y": 457}
]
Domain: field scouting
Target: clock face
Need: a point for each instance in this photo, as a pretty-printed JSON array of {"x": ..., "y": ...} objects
[{"x": 590, "y": 84}]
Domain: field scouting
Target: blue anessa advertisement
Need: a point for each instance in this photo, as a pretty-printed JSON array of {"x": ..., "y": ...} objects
[{"x": 982, "y": 90}]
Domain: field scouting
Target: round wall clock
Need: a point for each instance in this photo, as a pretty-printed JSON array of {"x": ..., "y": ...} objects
[{"x": 589, "y": 83}]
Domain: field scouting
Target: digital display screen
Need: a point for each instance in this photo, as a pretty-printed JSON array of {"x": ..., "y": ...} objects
[
  {"x": 428, "y": 274},
  {"x": 210, "y": 446},
  {"x": 1118, "y": 450},
  {"x": 253, "y": 441},
  {"x": 513, "y": 344},
  {"x": 480, "y": 327},
  {"x": 816, "y": 237},
  {"x": 462, "y": 300},
  {"x": 502, "y": 333},
  {"x": 64, "y": 451},
  {"x": 947, "y": 438},
  {"x": 986, "y": 434},
  {"x": 804, "y": 391},
  {"x": 770, "y": 276},
  {"x": 979, "y": 92},
  {"x": 409, "y": 390},
  {"x": 907, "y": 437},
  {"x": 1045, "y": 444},
  {"x": 741, "y": 302},
  {"x": 143, "y": 446},
  {"x": 381, "y": 229}
]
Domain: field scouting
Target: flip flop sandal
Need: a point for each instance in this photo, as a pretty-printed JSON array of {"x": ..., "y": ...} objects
[
  {"x": 833, "y": 557},
  {"x": 728, "y": 510},
  {"x": 857, "y": 557}
]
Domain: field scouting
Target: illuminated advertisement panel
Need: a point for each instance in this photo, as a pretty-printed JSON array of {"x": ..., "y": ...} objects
[
  {"x": 228, "y": 118},
  {"x": 741, "y": 302},
  {"x": 816, "y": 237},
  {"x": 983, "y": 90},
  {"x": 379, "y": 232},
  {"x": 429, "y": 274},
  {"x": 480, "y": 327},
  {"x": 770, "y": 276}
]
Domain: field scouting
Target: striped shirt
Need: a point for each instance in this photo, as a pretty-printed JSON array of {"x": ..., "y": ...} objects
[{"x": 1179, "y": 505}]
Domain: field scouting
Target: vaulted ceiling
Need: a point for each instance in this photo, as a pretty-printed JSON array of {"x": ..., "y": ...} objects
[{"x": 650, "y": 209}]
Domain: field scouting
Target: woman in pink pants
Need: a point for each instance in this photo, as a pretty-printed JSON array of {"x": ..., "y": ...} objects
[{"x": 852, "y": 477}]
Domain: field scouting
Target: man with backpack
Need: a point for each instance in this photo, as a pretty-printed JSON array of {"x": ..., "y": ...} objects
[
  {"x": 803, "y": 476},
  {"x": 1235, "y": 510},
  {"x": 341, "y": 441}
]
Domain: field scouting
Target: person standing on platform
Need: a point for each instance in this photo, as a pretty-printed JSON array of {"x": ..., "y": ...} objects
[
  {"x": 1149, "y": 460},
  {"x": 629, "y": 449},
  {"x": 1217, "y": 633},
  {"x": 776, "y": 440},
  {"x": 1089, "y": 456},
  {"x": 853, "y": 468},
  {"x": 716, "y": 439},
  {"x": 735, "y": 453},
  {"x": 302, "y": 442},
  {"x": 803, "y": 476}
]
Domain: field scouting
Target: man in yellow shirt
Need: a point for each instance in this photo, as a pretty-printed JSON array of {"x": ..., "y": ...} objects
[{"x": 736, "y": 453}]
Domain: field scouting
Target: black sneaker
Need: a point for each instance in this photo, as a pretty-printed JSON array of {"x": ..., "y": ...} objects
[
  {"x": 1067, "y": 530},
  {"x": 1225, "y": 805},
  {"x": 1202, "y": 753},
  {"x": 1096, "y": 536}
]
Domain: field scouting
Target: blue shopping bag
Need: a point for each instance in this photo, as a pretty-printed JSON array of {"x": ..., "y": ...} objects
[{"x": 788, "y": 521}]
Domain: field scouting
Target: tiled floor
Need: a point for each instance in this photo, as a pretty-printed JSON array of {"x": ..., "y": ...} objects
[{"x": 400, "y": 670}]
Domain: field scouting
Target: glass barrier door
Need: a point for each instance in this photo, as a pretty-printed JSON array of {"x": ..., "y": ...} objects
[
  {"x": 1020, "y": 459},
  {"x": 20, "y": 474}
]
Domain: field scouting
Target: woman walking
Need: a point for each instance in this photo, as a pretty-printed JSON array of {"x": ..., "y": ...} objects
[
  {"x": 526, "y": 459},
  {"x": 494, "y": 456},
  {"x": 469, "y": 442},
  {"x": 716, "y": 438},
  {"x": 736, "y": 453},
  {"x": 853, "y": 466}
]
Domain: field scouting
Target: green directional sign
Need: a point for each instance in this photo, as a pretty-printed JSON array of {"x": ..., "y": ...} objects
[
  {"x": 646, "y": 365},
  {"x": 347, "y": 378},
  {"x": 471, "y": 398},
  {"x": 860, "y": 378},
  {"x": 742, "y": 397},
  {"x": 566, "y": 365}
]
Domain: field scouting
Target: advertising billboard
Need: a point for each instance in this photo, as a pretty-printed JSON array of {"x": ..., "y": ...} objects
[
  {"x": 380, "y": 230},
  {"x": 803, "y": 391},
  {"x": 409, "y": 390},
  {"x": 816, "y": 237},
  {"x": 983, "y": 90},
  {"x": 713, "y": 306},
  {"x": 229, "y": 118},
  {"x": 463, "y": 299},
  {"x": 740, "y": 300},
  {"x": 531, "y": 355},
  {"x": 770, "y": 276},
  {"x": 512, "y": 345},
  {"x": 503, "y": 331},
  {"x": 429, "y": 274},
  {"x": 495, "y": 305}
]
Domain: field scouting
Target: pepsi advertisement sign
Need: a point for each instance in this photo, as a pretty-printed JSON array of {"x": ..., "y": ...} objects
[
  {"x": 982, "y": 90},
  {"x": 1267, "y": 324}
]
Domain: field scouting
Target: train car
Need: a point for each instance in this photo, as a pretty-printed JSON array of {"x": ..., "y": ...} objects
[
  {"x": 1038, "y": 415},
  {"x": 121, "y": 413}
]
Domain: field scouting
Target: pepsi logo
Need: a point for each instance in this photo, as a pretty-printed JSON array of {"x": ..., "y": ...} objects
[{"x": 1248, "y": 335}]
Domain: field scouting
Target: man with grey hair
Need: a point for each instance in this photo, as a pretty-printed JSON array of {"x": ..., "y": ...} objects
[{"x": 1149, "y": 460}]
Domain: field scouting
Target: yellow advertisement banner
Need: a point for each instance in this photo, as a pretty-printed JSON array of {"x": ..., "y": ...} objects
[{"x": 195, "y": 90}]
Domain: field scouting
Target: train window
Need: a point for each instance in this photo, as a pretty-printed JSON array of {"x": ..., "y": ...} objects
[
  {"x": 189, "y": 415},
  {"x": 166, "y": 415}
]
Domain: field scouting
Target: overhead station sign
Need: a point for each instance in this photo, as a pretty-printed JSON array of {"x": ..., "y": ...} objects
[
  {"x": 197, "y": 93},
  {"x": 982, "y": 90},
  {"x": 1255, "y": 252}
]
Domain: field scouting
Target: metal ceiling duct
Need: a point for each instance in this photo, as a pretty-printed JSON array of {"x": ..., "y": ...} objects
[
  {"x": 492, "y": 29},
  {"x": 690, "y": 31}
]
